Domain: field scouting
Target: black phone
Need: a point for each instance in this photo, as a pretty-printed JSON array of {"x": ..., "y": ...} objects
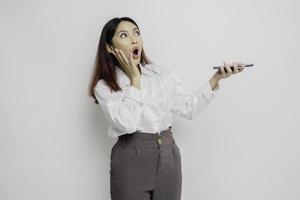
[{"x": 218, "y": 67}]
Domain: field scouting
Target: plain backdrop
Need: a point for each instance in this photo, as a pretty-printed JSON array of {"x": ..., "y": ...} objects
[{"x": 245, "y": 145}]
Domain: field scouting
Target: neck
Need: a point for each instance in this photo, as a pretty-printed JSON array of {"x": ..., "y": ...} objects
[{"x": 140, "y": 69}]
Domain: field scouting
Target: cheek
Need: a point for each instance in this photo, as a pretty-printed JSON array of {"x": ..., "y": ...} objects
[
  {"x": 120, "y": 44},
  {"x": 141, "y": 41},
  {"x": 125, "y": 50},
  {"x": 123, "y": 47}
]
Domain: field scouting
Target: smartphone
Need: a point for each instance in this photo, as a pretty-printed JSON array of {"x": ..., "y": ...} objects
[{"x": 247, "y": 65}]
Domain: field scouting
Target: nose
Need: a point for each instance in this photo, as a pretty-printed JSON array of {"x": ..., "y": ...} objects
[{"x": 134, "y": 41}]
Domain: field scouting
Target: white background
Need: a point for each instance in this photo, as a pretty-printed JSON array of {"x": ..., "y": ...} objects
[{"x": 245, "y": 145}]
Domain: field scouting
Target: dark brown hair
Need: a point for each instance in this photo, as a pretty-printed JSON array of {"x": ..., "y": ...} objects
[{"x": 105, "y": 63}]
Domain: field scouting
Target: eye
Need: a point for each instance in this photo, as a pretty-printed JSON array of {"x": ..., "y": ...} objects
[
  {"x": 138, "y": 33},
  {"x": 122, "y": 34}
]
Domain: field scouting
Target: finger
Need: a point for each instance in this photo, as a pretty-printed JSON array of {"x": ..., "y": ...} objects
[
  {"x": 242, "y": 68},
  {"x": 235, "y": 68},
  {"x": 130, "y": 59},
  {"x": 229, "y": 71},
  {"x": 120, "y": 57},
  {"x": 223, "y": 72},
  {"x": 124, "y": 57},
  {"x": 226, "y": 66},
  {"x": 116, "y": 53},
  {"x": 110, "y": 51},
  {"x": 113, "y": 52}
]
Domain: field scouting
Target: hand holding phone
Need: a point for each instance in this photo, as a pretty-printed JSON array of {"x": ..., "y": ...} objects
[{"x": 231, "y": 67}]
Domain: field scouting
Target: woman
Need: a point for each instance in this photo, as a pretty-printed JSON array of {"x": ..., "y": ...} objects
[{"x": 138, "y": 98}]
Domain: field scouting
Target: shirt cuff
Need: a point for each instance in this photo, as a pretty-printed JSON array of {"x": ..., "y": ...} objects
[{"x": 133, "y": 93}]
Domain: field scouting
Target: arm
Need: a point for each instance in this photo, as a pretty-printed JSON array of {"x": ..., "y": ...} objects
[
  {"x": 123, "y": 109},
  {"x": 187, "y": 105}
]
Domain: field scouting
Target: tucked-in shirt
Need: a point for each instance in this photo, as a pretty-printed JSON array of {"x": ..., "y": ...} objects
[{"x": 150, "y": 109}]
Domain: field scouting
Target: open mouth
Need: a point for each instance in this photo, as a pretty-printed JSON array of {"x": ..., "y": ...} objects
[{"x": 135, "y": 52}]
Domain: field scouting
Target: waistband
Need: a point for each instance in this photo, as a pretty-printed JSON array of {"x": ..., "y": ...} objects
[{"x": 163, "y": 138}]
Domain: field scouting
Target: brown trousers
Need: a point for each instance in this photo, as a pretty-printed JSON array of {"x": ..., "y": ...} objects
[{"x": 145, "y": 167}]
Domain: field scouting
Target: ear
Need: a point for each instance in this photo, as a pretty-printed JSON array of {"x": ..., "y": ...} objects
[{"x": 109, "y": 48}]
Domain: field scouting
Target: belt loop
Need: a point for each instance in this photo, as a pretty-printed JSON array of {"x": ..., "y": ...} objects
[{"x": 173, "y": 140}]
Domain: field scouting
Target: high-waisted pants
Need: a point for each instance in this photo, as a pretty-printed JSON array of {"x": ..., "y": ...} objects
[{"x": 145, "y": 166}]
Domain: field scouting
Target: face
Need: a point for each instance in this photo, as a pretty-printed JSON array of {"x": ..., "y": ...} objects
[{"x": 128, "y": 39}]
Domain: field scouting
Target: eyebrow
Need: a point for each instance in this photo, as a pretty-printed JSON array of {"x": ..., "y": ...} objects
[{"x": 126, "y": 31}]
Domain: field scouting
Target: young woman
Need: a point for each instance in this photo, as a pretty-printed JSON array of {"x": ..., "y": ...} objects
[{"x": 138, "y": 98}]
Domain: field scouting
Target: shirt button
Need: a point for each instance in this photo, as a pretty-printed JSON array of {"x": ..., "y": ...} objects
[{"x": 159, "y": 141}]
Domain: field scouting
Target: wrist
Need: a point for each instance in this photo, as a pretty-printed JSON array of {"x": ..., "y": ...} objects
[
  {"x": 135, "y": 82},
  {"x": 214, "y": 82},
  {"x": 216, "y": 78}
]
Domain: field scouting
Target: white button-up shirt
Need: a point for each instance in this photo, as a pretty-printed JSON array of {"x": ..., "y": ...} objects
[{"x": 150, "y": 109}]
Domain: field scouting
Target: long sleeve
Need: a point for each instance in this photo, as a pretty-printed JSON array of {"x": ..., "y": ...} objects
[
  {"x": 187, "y": 105},
  {"x": 123, "y": 108}
]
